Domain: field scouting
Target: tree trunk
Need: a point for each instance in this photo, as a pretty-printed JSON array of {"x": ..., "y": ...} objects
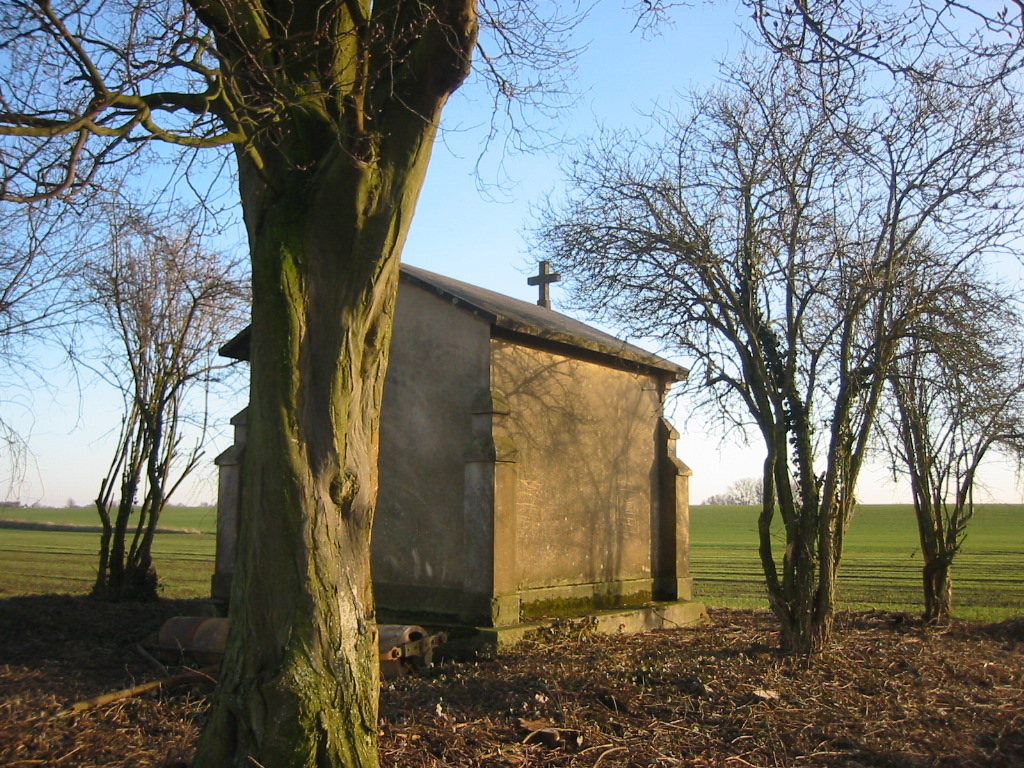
[
  {"x": 300, "y": 681},
  {"x": 328, "y": 190},
  {"x": 803, "y": 599},
  {"x": 802, "y": 595},
  {"x": 124, "y": 573},
  {"x": 936, "y": 555},
  {"x": 99, "y": 587},
  {"x": 938, "y": 592},
  {"x": 140, "y": 577}
]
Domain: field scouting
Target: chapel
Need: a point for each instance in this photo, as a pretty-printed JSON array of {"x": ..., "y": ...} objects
[{"x": 527, "y": 470}]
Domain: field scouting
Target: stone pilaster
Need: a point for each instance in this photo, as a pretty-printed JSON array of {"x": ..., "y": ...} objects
[
  {"x": 671, "y": 545},
  {"x": 490, "y": 583},
  {"x": 229, "y": 499}
]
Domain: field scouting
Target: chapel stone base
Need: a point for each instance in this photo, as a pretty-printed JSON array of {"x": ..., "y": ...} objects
[
  {"x": 624, "y": 620},
  {"x": 675, "y": 615}
]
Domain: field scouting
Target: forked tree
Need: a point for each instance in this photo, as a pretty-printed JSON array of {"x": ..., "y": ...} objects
[
  {"x": 160, "y": 303},
  {"x": 763, "y": 238},
  {"x": 955, "y": 397},
  {"x": 331, "y": 109}
]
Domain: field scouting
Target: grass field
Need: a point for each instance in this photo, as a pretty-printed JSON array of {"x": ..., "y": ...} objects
[
  {"x": 203, "y": 519},
  {"x": 880, "y": 569},
  {"x": 881, "y": 565},
  {"x": 38, "y": 562}
]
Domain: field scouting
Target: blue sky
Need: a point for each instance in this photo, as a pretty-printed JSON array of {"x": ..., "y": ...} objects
[{"x": 461, "y": 233}]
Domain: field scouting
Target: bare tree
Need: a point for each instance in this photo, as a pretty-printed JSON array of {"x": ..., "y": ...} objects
[
  {"x": 331, "y": 109},
  {"x": 161, "y": 303},
  {"x": 763, "y": 238},
  {"x": 40, "y": 251},
  {"x": 956, "y": 394}
]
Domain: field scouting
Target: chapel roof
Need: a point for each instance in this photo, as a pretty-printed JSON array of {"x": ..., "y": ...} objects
[
  {"x": 516, "y": 317},
  {"x": 528, "y": 319}
]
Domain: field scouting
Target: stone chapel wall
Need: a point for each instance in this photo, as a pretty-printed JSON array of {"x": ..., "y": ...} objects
[
  {"x": 439, "y": 361},
  {"x": 587, "y": 475},
  {"x": 515, "y": 482}
]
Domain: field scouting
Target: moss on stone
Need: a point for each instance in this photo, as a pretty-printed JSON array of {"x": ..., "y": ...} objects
[{"x": 575, "y": 606}]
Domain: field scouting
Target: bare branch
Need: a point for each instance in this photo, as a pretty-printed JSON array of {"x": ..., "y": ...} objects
[{"x": 964, "y": 44}]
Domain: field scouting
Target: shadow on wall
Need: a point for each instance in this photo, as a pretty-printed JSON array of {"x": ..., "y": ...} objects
[{"x": 586, "y": 437}]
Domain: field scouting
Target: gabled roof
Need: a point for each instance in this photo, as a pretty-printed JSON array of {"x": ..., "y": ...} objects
[
  {"x": 516, "y": 318},
  {"x": 522, "y": 317}
]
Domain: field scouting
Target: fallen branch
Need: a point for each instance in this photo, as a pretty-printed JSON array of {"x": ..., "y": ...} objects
[{"x": 206, "y": 674}]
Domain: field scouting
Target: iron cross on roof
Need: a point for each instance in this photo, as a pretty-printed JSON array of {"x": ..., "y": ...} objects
[{"x": 543, "y": 281}]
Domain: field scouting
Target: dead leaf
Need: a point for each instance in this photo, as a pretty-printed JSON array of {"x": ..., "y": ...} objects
[{"x": 555, "y": 738}]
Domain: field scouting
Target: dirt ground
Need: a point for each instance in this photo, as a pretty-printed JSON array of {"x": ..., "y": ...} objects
[{"x": 888, "y": 694}]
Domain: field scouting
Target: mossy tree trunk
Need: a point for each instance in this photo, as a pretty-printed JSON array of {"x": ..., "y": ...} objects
[
  {"x": 332, "y": 107},
  {"x": 328, "y": 191},
  {"x": 815, "y": 510},
  {"x": 300, "y": 680}
]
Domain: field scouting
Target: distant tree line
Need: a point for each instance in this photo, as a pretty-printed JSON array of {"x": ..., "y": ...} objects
[{"x": 747, "y": 491}]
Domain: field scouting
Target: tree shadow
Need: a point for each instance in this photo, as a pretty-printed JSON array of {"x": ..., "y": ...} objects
[
  {"x": 587, "y": 478},
  {"x": 80, "y": 635}
]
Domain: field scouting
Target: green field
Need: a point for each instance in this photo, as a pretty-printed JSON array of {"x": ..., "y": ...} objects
[
  {"x": 37, "y": 562},
  {"x": 881, "y": 562},
  {"x": 202, "y": 519},
  {"x": 880, "y": 569}
]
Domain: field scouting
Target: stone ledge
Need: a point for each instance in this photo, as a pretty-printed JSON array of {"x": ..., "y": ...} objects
[{"x": 668, "y": 615}]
